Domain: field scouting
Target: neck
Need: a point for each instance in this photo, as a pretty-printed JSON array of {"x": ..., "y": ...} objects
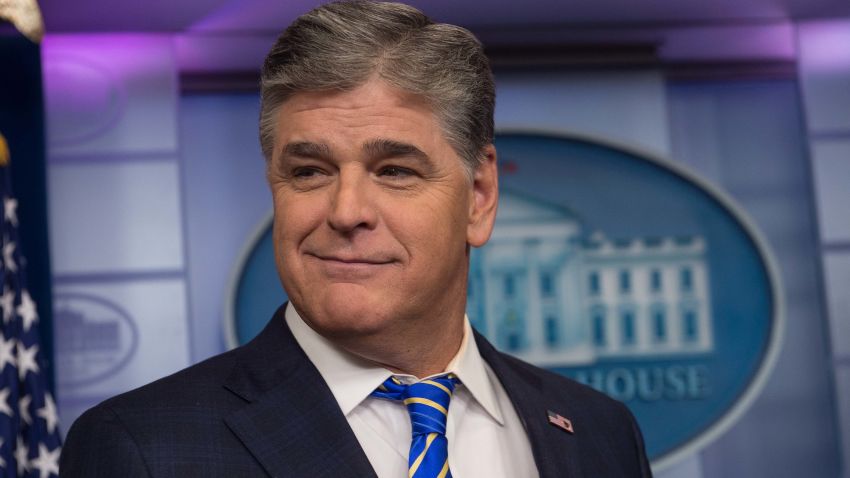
[
  {"x": 408, "y": 352},
  {"x": 421, "y": 365}
]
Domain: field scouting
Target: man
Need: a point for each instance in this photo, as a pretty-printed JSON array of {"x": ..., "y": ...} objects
[{"x": 377, "y": 127}]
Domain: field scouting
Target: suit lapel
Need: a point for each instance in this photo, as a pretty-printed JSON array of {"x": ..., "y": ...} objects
[
  {"x": 291, "y": 424},
  {"x": 555, "y": 451}
]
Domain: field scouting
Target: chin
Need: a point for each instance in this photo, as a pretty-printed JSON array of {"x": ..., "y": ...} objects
[{"x": 337, "y": 314}]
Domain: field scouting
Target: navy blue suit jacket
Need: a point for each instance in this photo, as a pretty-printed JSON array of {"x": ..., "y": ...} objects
[{"x": 264, "y": 410}]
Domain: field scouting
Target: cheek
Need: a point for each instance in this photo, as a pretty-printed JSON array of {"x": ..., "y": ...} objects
[
  {"x": 448, "y": 212},
  {"x": 288, "y": 233},
  {"x": 434, "y": 229},
  {"x": 291, "y": 223}
]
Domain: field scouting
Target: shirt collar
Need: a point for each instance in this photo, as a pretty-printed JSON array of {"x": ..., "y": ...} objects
[{"x": 352, "y": 378}]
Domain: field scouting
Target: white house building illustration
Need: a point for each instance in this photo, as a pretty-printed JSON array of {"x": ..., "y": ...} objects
[{"x": 547, "y": 292}]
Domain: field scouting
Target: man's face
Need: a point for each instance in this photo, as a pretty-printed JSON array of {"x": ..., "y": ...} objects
[{"x": 373, "y": 211}]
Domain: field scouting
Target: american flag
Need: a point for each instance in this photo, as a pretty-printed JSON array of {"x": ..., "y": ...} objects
[
  {"x": 560, "y": 422},
  {"x": 30, "y": 442}
]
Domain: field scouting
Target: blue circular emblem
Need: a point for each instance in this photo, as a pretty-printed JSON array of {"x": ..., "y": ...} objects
[{"x": 615, "y": 268}]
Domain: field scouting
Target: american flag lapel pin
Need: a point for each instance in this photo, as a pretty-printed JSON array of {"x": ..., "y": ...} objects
[{"x": 560, "y": 422}]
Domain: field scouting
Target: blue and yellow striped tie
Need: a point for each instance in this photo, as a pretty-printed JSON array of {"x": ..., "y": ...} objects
[{"x": 428, "y": 405}]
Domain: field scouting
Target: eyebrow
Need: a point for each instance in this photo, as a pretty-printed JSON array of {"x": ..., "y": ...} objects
[
  {"x": 388, "y": 148},
  {"x": 376, "y": 149},
  {"x": 307, "y": 149}
]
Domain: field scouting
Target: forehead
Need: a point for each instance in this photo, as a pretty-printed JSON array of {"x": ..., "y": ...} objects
[{"x": 371, "y": 110}]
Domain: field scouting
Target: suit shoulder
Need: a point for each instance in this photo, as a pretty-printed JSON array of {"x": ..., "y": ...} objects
[
  {"x": 134, "y": 422},
  {"x": 191, "y": 384},
  {"x": 99, "y": 444},
  {"x": 175, "y": 426}
]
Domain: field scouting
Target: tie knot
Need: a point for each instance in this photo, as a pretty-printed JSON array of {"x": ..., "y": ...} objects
[{"x": 427, "y": 401}]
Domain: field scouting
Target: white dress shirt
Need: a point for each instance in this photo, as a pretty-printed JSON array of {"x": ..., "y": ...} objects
[{"x": 486, "y": 437}]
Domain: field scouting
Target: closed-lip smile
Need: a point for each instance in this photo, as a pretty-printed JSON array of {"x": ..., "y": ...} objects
[{"x": 353, "y": 260}]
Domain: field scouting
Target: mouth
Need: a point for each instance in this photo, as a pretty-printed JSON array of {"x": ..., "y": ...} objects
[
  {"x": 350, "y": 268},
  {"x": 352, "y": 260}
]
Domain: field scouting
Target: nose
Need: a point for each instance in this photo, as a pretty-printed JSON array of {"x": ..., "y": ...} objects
[{"x": 352, "y": 208}]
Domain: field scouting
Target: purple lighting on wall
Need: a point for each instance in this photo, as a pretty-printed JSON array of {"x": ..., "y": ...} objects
[
  {"x": 825, "y": 45},
  {"x": 211, "y": 52},
  {"x": 106, "y": 91},
  {"x": 736, "y": 42},
  {"x": 116, "y": 52}
]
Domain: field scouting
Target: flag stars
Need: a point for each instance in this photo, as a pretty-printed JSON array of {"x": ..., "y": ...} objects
[
  {"x": 27, "y": 310},
  {"x": 27, "y": 448},
  {"x": 7, "y": 352},
  {"x": 26, "y": 361},
  {"x": 47, "y": 462},
  {"x": 10, "y": 210},
  {"x": 4, "y": 402},
  {"x": 48, "y": 413},
  {"x": 9, "y": 256},
  {"x": 7, "y": 303}
]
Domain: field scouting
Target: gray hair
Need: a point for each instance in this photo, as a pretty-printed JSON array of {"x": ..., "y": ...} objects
[{"x": 340, "y": 45}]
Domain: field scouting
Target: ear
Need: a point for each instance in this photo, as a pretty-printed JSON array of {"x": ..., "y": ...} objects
[{"x": 485, "y": 198}]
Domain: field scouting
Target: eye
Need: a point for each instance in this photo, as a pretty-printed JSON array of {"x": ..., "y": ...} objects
[
  {"x": 396, "y": 172},
  {"x": 306, "y": 172}
]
